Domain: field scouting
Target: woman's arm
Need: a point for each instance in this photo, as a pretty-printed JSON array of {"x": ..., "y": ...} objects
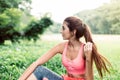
[
  {"x": 89, "y": 63},
  {"x": 41, "y": 60},
  {"x": 28, "y": 71}
]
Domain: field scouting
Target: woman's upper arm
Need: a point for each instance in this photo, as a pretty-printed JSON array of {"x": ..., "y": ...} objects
[{"x": 45, "y": 57}]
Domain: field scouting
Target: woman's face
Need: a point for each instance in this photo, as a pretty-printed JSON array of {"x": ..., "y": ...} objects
[{"x": 66, "y": 34}]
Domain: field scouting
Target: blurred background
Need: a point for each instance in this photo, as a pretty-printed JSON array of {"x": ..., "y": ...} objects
[{"x": 29, "y": 28}]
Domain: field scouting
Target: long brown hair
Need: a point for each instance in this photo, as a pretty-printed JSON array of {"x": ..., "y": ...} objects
[{"x": 82, "y": 29}]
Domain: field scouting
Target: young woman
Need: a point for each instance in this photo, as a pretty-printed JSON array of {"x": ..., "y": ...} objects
[{"x": 77, "y": 57}]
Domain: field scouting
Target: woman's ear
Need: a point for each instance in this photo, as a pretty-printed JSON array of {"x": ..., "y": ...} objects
[{"x": 74, "y": 32}]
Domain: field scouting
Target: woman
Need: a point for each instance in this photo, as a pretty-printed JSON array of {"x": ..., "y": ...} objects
[{"x": 77, "y": 57}]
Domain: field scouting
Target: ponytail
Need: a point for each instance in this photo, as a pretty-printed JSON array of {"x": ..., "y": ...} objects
[{"x": 98, "y": 59}]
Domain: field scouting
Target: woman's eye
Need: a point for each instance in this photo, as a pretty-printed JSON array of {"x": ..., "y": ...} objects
[{"x": 63, "y": 28}]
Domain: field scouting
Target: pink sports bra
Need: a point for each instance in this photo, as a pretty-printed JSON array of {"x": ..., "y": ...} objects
[{"x": 75, "y": 66}]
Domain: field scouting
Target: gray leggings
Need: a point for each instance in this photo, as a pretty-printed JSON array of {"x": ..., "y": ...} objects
[{"x": 41, "y": 72}]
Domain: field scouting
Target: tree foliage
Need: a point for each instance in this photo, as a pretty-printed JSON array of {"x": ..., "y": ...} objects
[
  {"x": 5, "y": 4},
  {"x": 9, "y": 20},
  {"x": 103, "y": 20},
  {"x": 17, "y": 23},
  {"x": 37, "y": 27}
]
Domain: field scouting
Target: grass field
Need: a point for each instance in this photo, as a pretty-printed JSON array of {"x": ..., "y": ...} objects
[{"x": 14, "y": 58}]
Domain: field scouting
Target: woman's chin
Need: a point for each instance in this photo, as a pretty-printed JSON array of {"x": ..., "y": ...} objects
[{"x": 65, "y": 39}]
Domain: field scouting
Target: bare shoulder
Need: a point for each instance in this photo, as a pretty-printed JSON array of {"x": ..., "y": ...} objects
[{"x": 61, "y": 46}]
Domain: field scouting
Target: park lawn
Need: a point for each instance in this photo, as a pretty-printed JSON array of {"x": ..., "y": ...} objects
[
  {"x": 111, "y": 50},
  {"x": 14, "y": 58}
]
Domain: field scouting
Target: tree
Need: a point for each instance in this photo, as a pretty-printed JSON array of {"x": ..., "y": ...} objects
[
  {"x": 103, "y": 26},
  {"x": 9, "y": 20},
  {"x": 6, "y": 4},
  {"x": 35, "y": 28},
  {"x": 103, "y": 20},
  {"x": 13, "y": 26}
]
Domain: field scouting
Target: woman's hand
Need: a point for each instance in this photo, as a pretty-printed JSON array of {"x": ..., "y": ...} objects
[
  {"x": 88, "y": 57},
  {"x": 88, "y": 50}
]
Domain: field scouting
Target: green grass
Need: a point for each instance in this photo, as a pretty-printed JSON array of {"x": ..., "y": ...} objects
[
  {"x": 15, "y": 58},
  {"x": 111, "y": 50}
]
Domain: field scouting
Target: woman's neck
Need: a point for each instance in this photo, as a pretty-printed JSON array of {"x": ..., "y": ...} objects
[{"x": 74, "y": 42}]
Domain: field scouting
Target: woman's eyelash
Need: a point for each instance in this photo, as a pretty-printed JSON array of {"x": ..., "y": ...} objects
[{"x": 63, "y": 27}]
